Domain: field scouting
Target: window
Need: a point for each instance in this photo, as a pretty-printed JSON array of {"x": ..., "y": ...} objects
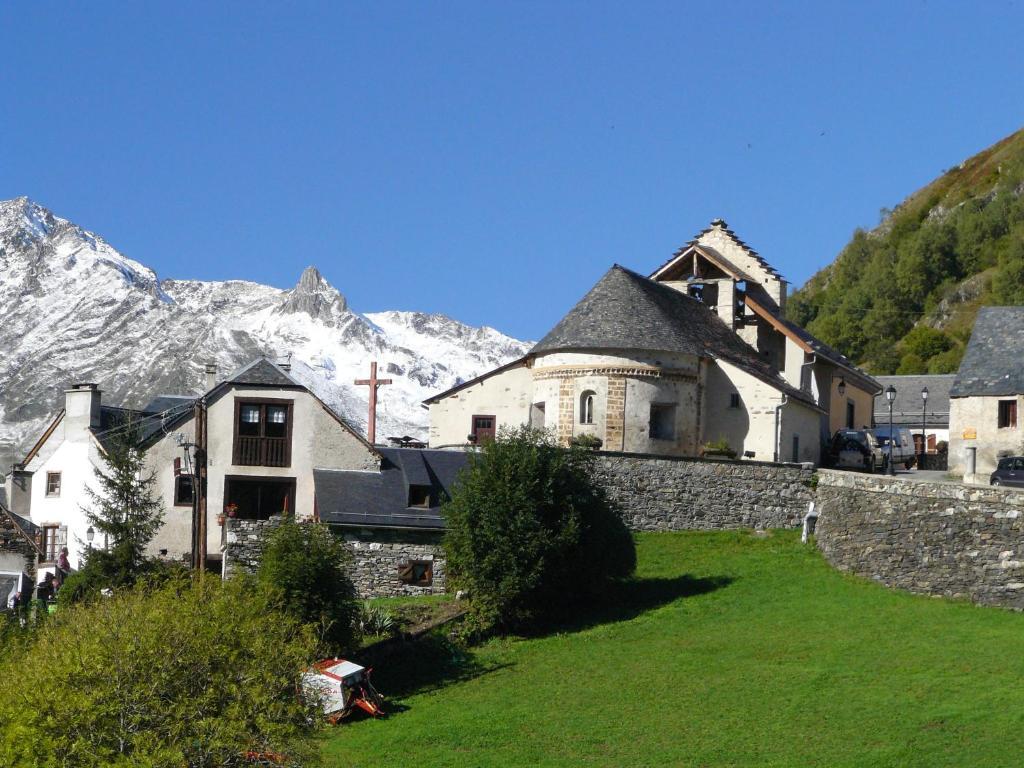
[
  {"x": 183, "y": 492},
  {"x": 587, "y": 407},
  {"x": 851, "y": 413},
  {"x": 53, "y": 483},
  {"x": 482, "y": 429},
  {"x": 50, "y": 542},
  {"x": 419, "y": 495},
  {"x": 796, "y": 448},
  {"x": 256, "y": 498},
  {"x": 663, "y": 422},
  {"x": 734, "y": 400},
  {"x": 263, "y": 433},
  {"x": 1007, "y": 414},
  {"x": 537, "y": 416},
  {"x": 417, "y": 573}
]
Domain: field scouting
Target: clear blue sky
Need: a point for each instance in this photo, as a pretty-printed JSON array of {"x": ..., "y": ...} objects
[{"x": 482, "y": 160}]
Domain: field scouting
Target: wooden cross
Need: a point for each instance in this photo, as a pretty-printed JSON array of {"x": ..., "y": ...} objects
[{"x": 373, "y": 382}]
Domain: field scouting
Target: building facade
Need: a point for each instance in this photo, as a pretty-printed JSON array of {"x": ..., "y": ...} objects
[{"x": 698, "y": 355}]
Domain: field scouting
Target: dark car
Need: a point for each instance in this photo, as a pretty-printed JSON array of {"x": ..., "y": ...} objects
[
  {"x": 856, "y": 449},
  {"x": 1009, "y": 471}
]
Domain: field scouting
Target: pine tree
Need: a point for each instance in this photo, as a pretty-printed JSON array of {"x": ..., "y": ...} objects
[{"x": 124, "y": 508}]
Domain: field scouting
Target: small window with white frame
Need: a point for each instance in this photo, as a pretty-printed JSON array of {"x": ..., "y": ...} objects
[{"x": 53, "y": 483}]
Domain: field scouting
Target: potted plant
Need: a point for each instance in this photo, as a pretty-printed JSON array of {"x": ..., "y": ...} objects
[{"x": 232, "y": 510}]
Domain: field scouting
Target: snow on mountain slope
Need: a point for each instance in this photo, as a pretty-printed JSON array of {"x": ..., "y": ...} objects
[{"x": 74, "y": 309}]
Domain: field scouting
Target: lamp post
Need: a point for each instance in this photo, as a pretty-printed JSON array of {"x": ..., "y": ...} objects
[
  {"x": 890, "y": 395},
  {"x": 924, "y": 426},
  {"x": 90, "y": 534}
]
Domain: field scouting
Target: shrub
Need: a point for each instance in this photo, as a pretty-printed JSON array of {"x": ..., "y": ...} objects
[
  {"x": 590, "y": 442},
  {"x": 719, "y": 447},
  {"x": 529, "y": 532},
  {"x": 377, "y": 620},
  {"x": 307, "y": 565},
  {"x": 180, "y": 675}
]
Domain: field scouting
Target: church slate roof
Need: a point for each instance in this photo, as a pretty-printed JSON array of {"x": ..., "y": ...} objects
[
  {"x": 993, "y": 364},
  {"x": 907, "y": 407},
  {"x": 381, "y": 499},
  {"x": 626, "y": 310}
]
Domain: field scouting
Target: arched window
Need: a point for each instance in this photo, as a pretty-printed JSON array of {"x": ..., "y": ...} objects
[{"x": 587, "y": 407}]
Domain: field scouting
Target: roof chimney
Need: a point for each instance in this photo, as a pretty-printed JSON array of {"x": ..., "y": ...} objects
[
  {"x": 211, "y": 376},
  {"x": 81, "y": 410},
  {"x": 286, "y": 366}
]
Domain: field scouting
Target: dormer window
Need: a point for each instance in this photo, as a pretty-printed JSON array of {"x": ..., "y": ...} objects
[
  {"x": 587, "y": 407},
  {"x": 263, "y": 433},
  {"x": 419, "y": 496}
]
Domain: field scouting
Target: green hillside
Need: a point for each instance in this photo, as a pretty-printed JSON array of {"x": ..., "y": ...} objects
[{"x": 902, "y": 298}]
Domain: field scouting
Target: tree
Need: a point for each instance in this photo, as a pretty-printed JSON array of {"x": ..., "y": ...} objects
[
  {"x": 187, "y": 674},
  {"x": 307, "y": 565},
  {"x": 125, "y": 510},
  {"x": 529, "y": 532}
]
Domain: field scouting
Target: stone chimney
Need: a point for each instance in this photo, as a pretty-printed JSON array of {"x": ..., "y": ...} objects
[
  {"x": 211, "y": 376},
  {"x": 19, "y": 493},
  {"x": 81, "y": 410}
]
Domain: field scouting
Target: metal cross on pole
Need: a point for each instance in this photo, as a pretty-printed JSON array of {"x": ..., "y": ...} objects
[{"x": 373, "y": 382}]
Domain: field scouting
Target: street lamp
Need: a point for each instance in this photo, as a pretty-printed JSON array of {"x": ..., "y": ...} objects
[
  {"x": 924, "y": 426},
  {"x": 90, "y": 534},
  {"x": 890, "y": 395},
  {"x": 842, "y": 386}
]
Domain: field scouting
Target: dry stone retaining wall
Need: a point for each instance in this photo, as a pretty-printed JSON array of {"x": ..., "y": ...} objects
[
  {"x": 931, "y": 538},
  {"x": 376, "y": 556},
  {"x": 675, "y": 494}
]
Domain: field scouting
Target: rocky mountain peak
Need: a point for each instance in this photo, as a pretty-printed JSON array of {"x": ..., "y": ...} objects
[{"x": 316, "y": 297}]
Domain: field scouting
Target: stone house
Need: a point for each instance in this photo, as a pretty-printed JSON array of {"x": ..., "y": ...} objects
[
  {"x": 987, "y": 395},
  {"x": 19, "y": 552},
  {"x": 699, "y": 352}
]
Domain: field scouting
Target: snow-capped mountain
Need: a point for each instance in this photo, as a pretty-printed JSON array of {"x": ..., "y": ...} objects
[{"x": 74, "y": 309}]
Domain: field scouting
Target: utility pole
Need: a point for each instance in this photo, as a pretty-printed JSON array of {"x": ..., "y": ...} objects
[{"x": 373, "y": 382}]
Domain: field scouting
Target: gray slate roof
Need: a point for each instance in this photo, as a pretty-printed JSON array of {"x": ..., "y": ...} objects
[
  {"x": 907, "y": 407},
  {"x": 380, "y": 499},
  {"x": 263, "y": 373},
  {"x": 626, "y": 310},
  {"x": 993, "y": 364},
  {"x": 114, "y": 423}
]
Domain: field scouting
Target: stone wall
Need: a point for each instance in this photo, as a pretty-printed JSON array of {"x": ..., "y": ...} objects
[
  {"x": 376, "y": 556},
  {"x": 931, "y": 538},
  {"x": 673, "y": 494}
]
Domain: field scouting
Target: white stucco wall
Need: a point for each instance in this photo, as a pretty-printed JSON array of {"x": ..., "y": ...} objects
[
  {"x": 506, "y": 396},
  {"x": 72, "y": 451},
  {"x": 981, "y": 414}
]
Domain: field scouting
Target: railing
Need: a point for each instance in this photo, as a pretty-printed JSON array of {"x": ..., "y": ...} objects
[{"x": 261, "y": 451}]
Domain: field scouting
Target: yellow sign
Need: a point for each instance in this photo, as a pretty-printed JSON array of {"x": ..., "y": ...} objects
[{"x": 970, "y": 434}]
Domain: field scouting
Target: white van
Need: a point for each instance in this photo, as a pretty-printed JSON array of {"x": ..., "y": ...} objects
[{"x": 903, "y": 450}]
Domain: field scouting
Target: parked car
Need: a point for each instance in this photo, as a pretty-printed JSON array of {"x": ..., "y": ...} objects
[
  {"x": 903, "y": 450},
  {"x": 1009, "y": 471},
  {"x": 856, "y": 449}
]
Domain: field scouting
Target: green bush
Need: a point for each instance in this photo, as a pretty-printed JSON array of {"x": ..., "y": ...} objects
[
  {"x": 307, "y": 565},
  {"x": 529, "y": 533},
  {"x": 719, "y": 447},
  {"x": 181, "y": 675}
]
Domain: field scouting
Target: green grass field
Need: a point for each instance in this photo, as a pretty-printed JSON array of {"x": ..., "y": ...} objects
[{"x": 726, "y": 649}]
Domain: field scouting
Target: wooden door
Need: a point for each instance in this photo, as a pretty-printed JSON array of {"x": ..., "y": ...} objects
[{"x": 484, "y": 429}]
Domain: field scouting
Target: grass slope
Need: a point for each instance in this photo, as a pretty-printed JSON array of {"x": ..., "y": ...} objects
[{"x": 743, "y": 651}]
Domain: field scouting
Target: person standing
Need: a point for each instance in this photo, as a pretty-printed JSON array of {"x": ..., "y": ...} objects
[{"x": 63, "y": 566}]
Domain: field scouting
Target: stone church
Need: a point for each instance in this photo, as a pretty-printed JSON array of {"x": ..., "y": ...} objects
[{"x": 697, "y": 353}]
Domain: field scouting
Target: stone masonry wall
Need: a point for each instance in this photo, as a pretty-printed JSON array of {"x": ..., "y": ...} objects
[
  {"x": 673, "y": 494},
  {"x": 376, "y": 556},
  {"x": 931, "y": 538}
]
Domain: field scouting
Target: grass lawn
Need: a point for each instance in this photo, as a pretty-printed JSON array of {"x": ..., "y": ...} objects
[{"x": 727, "y": 649}]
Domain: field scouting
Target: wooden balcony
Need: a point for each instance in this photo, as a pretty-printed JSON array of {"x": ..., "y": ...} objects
[{"x": 262, "y": 451}]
